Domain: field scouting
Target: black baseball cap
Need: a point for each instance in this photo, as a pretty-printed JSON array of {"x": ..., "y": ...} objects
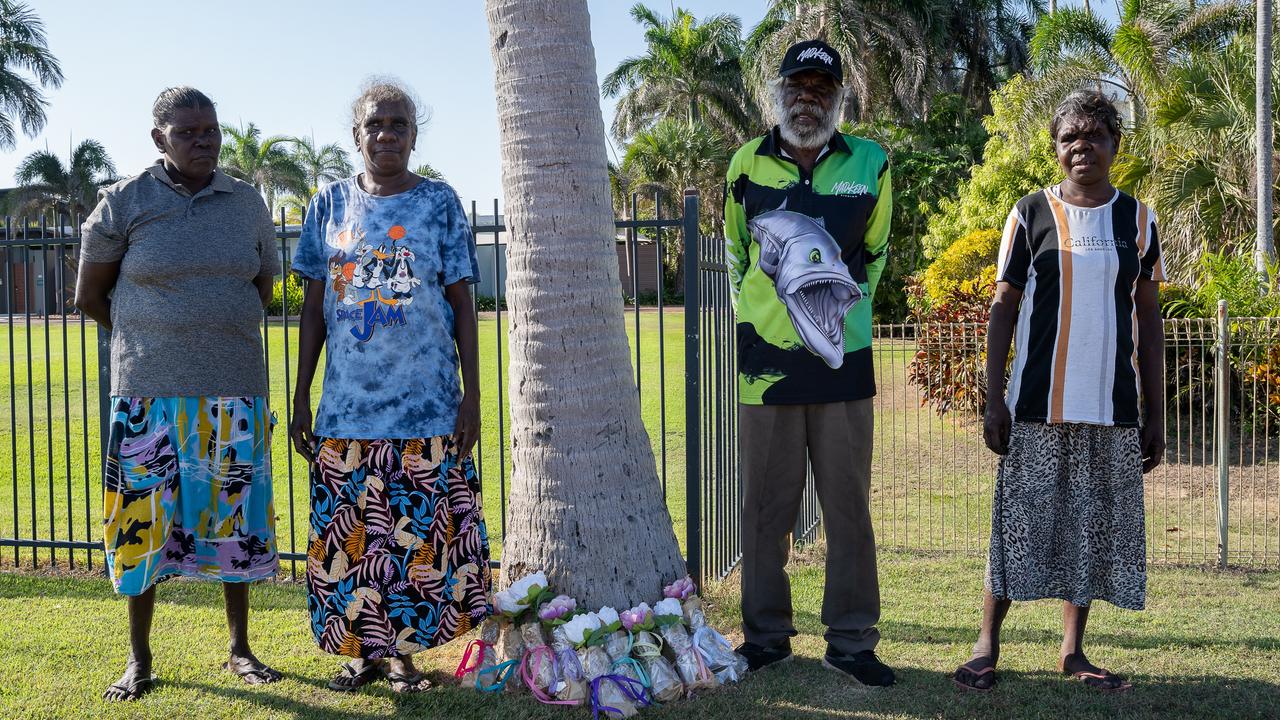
[{"x": 812, "y": 55}]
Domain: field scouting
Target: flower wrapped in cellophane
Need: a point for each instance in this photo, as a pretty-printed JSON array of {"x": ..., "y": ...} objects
[
  {"x": 646, "y": 648},
  {"x": 716, "y": 650},
  {"x": 511, "y": 605},
  {"x": 538, "y": 664},
  {"x": 617, "y": 645},
  {"x": 571, "y": 685},
  {"x": 694, "y": 673},
  {"x": 480, "y": 668},
  {"x": 611, "y": 694}
]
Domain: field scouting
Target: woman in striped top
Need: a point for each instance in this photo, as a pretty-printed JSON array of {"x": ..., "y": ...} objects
[{"x": 1077, "y": 296}]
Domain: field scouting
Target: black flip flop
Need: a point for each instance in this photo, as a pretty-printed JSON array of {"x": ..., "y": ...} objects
[
  {"x": 254, "y": 675},
  {"x": 371, "y": 672},
  {"x": 407, "y": 684},
  {"x": 1104, "y": 675},
  {"x": 989, "y": 670},
  {"x": 132, "y": 691}
]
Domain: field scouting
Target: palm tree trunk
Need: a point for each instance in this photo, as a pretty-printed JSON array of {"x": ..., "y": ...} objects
[
  {"x": 1264, "y": 248},
  {"x": 586, "y": 506}
]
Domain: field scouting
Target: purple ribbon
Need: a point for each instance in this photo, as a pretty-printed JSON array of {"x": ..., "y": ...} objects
[
  {"x": 569, "y": 664},
  {"x": 627, "y": 685}
]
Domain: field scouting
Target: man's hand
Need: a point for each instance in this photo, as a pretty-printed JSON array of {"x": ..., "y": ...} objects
[
  {"x": 996, "y": 425},
  {"x": 467, "y": 428}
]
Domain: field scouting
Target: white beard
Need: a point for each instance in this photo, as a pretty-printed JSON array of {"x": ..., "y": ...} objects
[{"x": 805, "y": 138}]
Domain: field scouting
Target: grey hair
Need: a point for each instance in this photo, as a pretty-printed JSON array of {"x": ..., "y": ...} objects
[
  {"x": 170, "y": 100},
  {"x": 778, "y": 109},
  {"x": 384, "y": 89},
  {"x": 1087, "y": 105}
]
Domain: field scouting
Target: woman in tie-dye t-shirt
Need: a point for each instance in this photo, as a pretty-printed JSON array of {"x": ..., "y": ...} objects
[{"x": 398, "y": 559}]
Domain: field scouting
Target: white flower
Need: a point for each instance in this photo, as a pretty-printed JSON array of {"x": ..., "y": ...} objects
[
  {"x": 668, "y": 606},
  {"x": 608, "y": 616},
  {"x": 507, "y": 603},
  {"x": 577, "y": 628},
  {"x": 520, "y": 588}
]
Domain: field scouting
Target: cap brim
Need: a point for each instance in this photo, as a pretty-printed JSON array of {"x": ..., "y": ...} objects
[{"x": 797, "y": 70}]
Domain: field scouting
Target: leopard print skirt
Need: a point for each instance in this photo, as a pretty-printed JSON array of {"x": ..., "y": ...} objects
[{"x": 1067, "y": 520}]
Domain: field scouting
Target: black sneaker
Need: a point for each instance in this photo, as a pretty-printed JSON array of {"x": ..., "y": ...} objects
[
  {"x": 759, "y": 656},
  {"x": 864, "y": 667}
]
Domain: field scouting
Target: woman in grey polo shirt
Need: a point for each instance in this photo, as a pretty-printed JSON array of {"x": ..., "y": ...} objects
[{"x": 178, "y": 263}]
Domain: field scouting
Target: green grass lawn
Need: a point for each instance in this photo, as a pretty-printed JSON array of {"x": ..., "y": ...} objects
[{"x": 1206, "y": 647}]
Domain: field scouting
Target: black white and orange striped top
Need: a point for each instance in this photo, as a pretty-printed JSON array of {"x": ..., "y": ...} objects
[{"x": 1076, "y": 341}]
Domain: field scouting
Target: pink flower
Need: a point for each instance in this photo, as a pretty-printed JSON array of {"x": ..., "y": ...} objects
[
  {"x": 557, "y": 608},
  {"x": 640, "y": 615},
  {"x": 681, "y": 589}
]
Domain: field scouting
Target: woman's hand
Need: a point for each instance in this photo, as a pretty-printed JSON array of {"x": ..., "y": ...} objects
[
  {"x": 1153, "y": 444},
  {"x": 304, "y": 441},
  {"x": 467, "y": 428},
  {"x": 996, "y": 425}
]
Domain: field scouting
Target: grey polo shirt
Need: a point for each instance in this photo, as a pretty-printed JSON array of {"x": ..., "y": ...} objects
[{"x": 185, "y": 312}]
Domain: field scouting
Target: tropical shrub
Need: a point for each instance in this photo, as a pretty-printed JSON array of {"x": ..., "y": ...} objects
[
  {"x": 1016, "y": 161},
  {"x": 972, "y": 256},
  {"x": 949, "y": 365},
  {"x": 292, "y": 286}
]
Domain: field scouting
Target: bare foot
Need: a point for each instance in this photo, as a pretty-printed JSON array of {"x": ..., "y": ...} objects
[{"x": 136, "y": 682}]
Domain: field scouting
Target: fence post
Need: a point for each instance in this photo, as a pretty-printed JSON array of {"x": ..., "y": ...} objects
[
  {"x": 692, "y": 373},
  {"x": 104, "y": 388},
  {"x": 1222, "y": 416}
]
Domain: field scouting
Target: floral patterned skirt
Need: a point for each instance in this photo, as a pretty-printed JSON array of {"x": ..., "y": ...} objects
[
  {"x": 398, "y": 559},
  {"x": 187, "y": 491}
]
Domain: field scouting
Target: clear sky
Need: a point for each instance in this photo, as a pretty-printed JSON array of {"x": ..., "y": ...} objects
[{"x": 292, "y": 67}]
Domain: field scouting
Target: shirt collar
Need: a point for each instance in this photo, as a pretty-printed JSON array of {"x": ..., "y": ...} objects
[
  {"x": 772, "y": 145},
  {"x": 221, "y": 181}
]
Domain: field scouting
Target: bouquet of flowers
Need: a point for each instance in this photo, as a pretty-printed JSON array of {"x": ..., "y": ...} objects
[
  {"x": 571, "y": 684},
  {"x": 646, "y": 647},
  {"x": 538, "y": 665},
  {"x": 540, "y": 669},
  {"x": 480, "y": 660},
  {"x": 716, "y": 650},
  {"x": 610, "y": 693},
  {"x": 669, "y": 617},
  {"x": 511, "y": 604},
  {"x": 617, "y": 645}
]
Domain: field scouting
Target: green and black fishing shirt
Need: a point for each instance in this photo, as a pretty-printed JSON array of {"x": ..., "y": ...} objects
[{"x": 848, "y": 196}]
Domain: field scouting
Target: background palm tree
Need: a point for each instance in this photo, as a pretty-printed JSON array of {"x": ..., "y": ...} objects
[
  {"x": 986, "y": 41},
  {"x": 320, "y": 164},
  {"x": 23, "y": 47},
  {"x": 674, "y": 155},
  {"x": 426, "y": 171},
  {"x": 1202, "y": 174},
  {"x": 47, "y": 185},
  {"x": 690, "y": 69},
  {"x": 1074, "y": 48},
  {"x": 586, "y": 505},
  {"x": 265, "y": 163}
]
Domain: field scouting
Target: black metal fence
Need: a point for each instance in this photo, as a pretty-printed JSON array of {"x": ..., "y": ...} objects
[{"x": 1216, "y": 499}]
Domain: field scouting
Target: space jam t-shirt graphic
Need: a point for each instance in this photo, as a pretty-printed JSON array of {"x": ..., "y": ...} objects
[{"x": 391, "y": 366}]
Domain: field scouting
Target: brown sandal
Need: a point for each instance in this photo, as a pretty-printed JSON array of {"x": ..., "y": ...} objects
[{"x": 1099, "y": 679}]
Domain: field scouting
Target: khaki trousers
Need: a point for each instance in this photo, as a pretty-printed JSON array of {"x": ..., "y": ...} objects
[{"x": 773, "y": 441}]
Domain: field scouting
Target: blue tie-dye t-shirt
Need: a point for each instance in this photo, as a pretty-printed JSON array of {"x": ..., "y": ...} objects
[{"x": 391, "y": 365}]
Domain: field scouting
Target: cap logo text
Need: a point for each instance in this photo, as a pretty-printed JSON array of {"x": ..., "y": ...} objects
[{"x": 814, "y": 52}]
